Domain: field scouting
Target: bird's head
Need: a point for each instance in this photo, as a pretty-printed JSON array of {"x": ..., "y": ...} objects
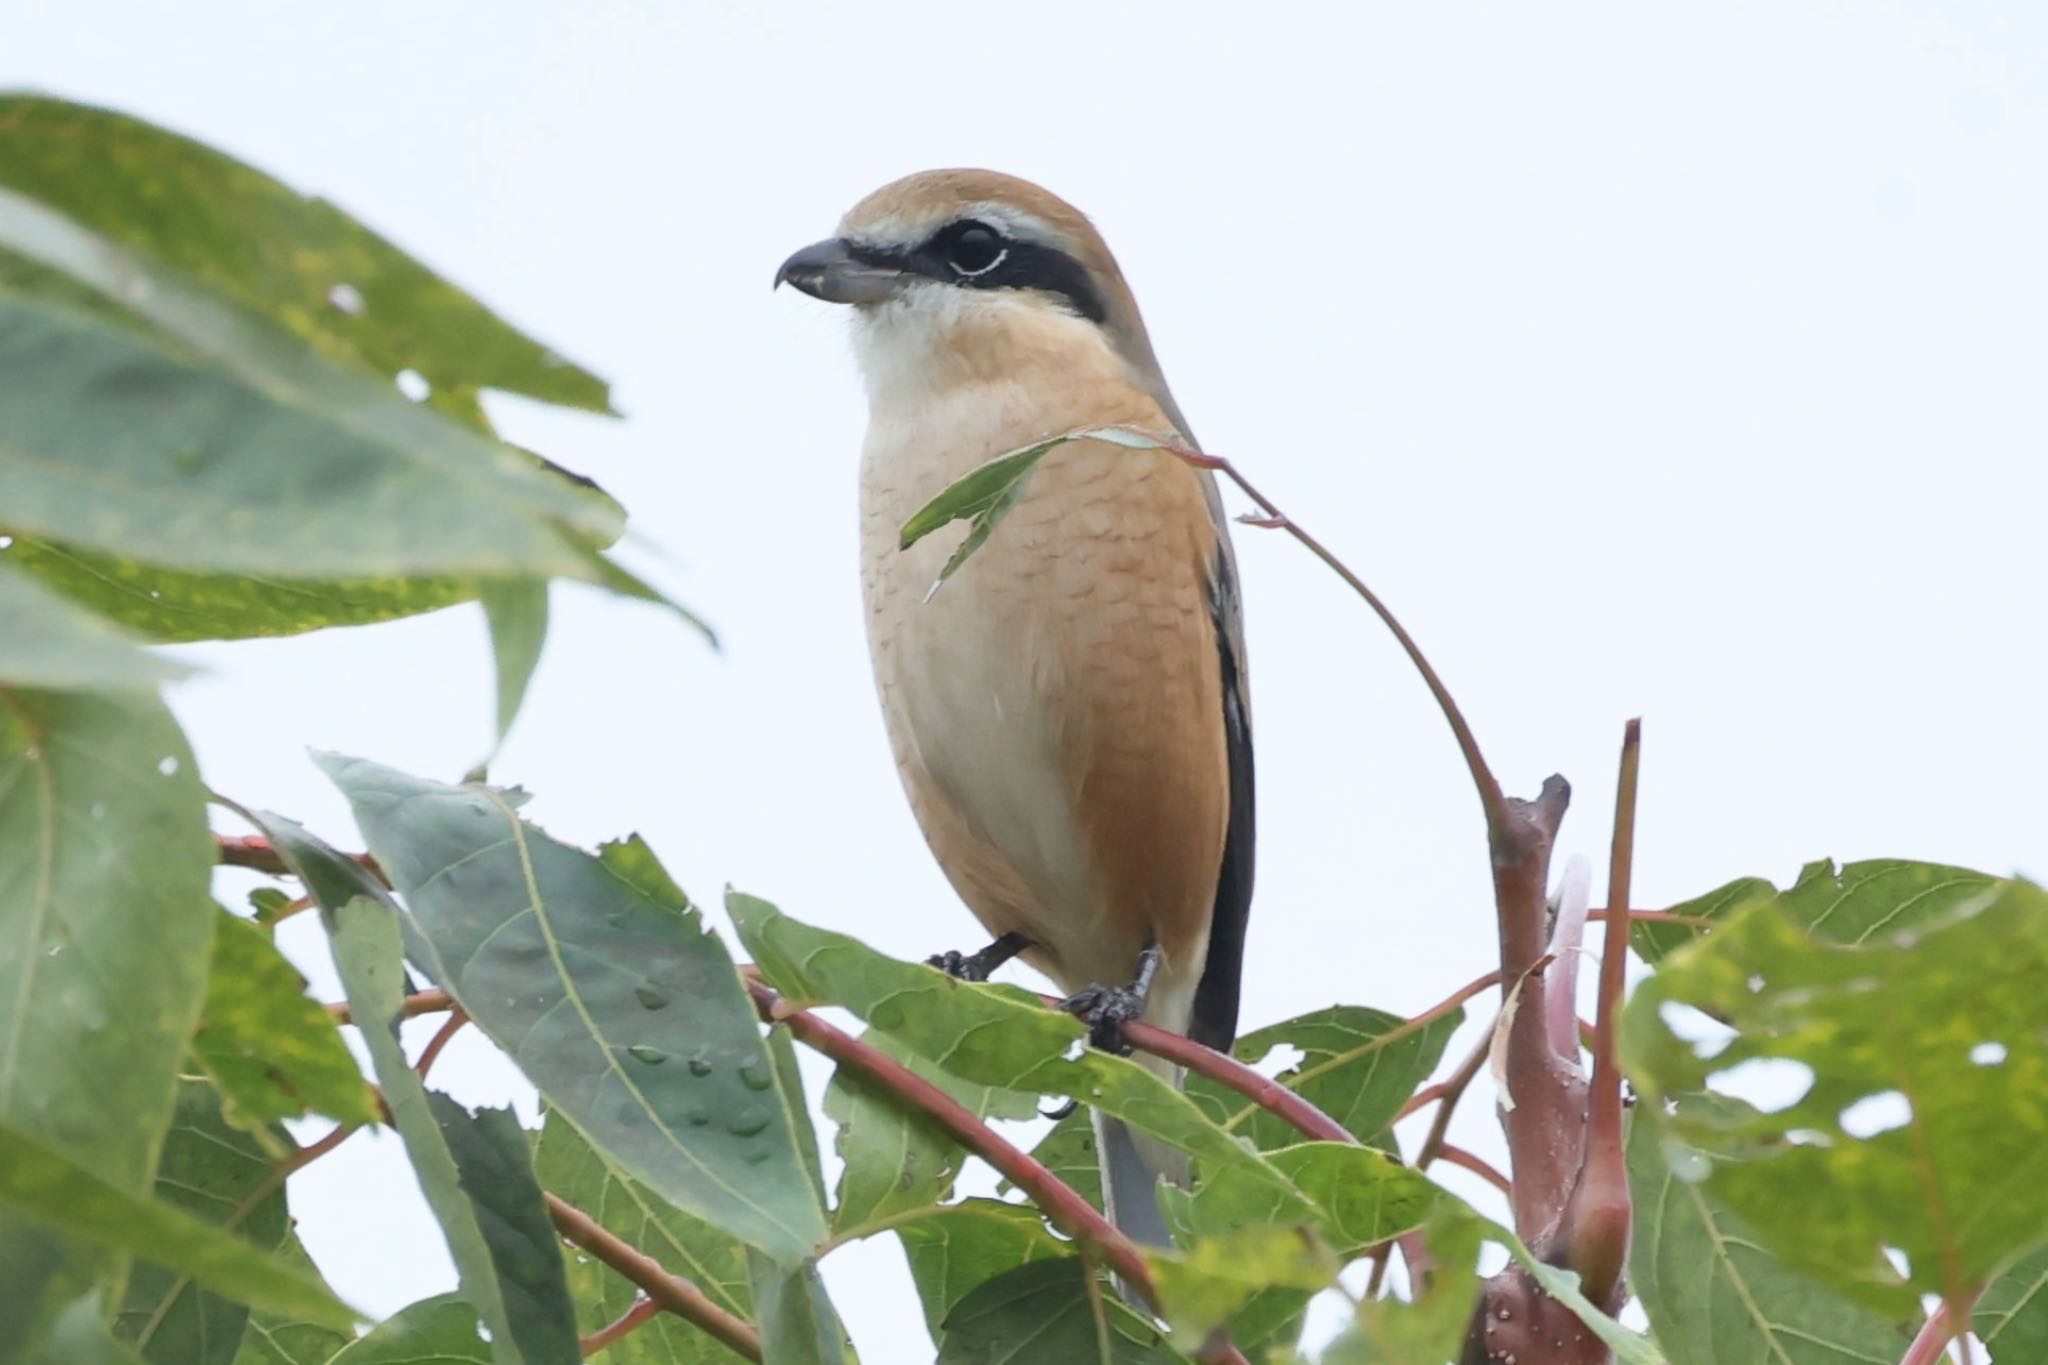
[{"x": 973, "y": 268}]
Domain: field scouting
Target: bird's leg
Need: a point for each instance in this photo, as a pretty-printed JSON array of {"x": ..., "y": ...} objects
[
  {"x": 977, "y": 966},
  {"x": 1106, "y": 1009}
]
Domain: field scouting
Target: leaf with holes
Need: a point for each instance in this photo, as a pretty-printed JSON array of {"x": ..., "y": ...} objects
[
  {"x": 1928, "y": 1051},
  {"x": 1845, "y": 906},
  {"x": 616, "y": 1002},
  {"x": 1714, "y": 1295}
]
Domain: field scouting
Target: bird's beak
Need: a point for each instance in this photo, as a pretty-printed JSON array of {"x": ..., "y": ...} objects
[{"x": 830, "y": 271}]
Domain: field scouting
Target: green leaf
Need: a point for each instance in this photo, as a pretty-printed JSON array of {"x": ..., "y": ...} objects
[
  {"x": 1358, "y": 1065},
  {"x": 45, "y": 641},
  {"x": 168, "y": 605},
  {"x": 1849, "y": 906},
  {"x": 1068, "y": 1151},
  {"x": 363, "y": 934},
  {"x": 710, "y": 1259},
  {"x": 618, "y": 1005},
  {"x": 2012, "y": 1316},
  {"x": 236, "y": 231},
  {"x": 491, "y": 1157},
  {"x": 1429, "y": 1329},
  {"x": 44, "y": 1272},
  {"x": 1946, "y": 1022},
  {"x": 1048, "y": 1311},
  {"x": 517, "y": 613},
  {"x": 36, "y": 1181},
  {"x": 110, "y": 443},
  {"x": 1204, "y": 1287},
  {"x": 991, "y": 1035},
  {"x": 954, "y": 1249},
  {"x": 274, "y": 1053},
  {"x": 798, "y": 1324},
  {"x": 895, "y": 1158},
  {"x": 437, "y": 1331},
  {"x": 105, "y": 924},
  {"x": 79, "y": 1336},
  {"x": 222, "y": 1175},
  {"x": 277, "y": 1339},
  {"x": 1714, "y": 1295}
]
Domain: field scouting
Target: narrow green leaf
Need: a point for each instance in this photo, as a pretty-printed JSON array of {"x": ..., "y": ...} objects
[
  {"x": 711, "y": 1259},
  {"x": 1942, "y": 1029},
  {"x": 517, "y": 613},
  {"x": 36, "y": 1181},
  {"x": 275, "y": 1053},
  {"x": 491, "y": 1157},
  {"x": 991, "y": 1035},
  {"x": 1882, "y": 895},
  {"x": 954, "y": 1249},
  {"x": 798, "y": 1324},
  {"x": 437, "y": 1331},
  {"x": 2012, "y": 1316},
  {"x": 299, "y": 261},
  {"x": 363, "y": 934},
  {"x": 223, "y": 1176},
  {"x": 1048, "y": 1311},
  {"x": 619, "y": 1006},
  {"x": 1358, "y": 1065},
  {"x": 105, "y": 924},
  {"x": 45, "y": 641},
  {"x": 1713, "y": 1294}
]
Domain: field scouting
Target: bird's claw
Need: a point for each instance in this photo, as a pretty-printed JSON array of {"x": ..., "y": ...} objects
[
  {"x": 1105, "y": 1010},
  {"x": 955, "y": 964}
]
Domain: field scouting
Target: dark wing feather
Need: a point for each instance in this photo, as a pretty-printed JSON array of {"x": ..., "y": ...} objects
[{"x": 1215, "y": 1014}]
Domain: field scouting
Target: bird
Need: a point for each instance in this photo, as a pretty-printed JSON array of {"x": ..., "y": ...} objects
[{"x": 1071, "y": 715}]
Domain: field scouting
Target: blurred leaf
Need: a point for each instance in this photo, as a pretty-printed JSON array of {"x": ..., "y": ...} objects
[
  {"x": 277, "y": 1339},
  {"x": 275, "y": 1053},
  {"x": 169, "y": 605},
  {"x": 2012, "y": 1316},
  {"x": 991, "y": 1035},
  {"x": 491, "y": 1157},
  {"x": 1945, "y": 1023},
  {"x": 895, "y": 1158},
  {"x": 710, "y": 1259},
  {"x": 798, "y": 1324},
  {"x": 79, "y": 1336},
  {"x": 43, "y": 1185},
  {"x": 1204, "y": 1287},
  {"x": 43, "y": 1272},
  {"x": 45, "y": 641},
  {"x": 953, "y": 1249},
  {"x": 1429, "y": 1329},
  {"x": 516, "y": 611},
  {"x": 1862, "y": 899},
  {"x": 1714, "y": 1295},
  {"x": 618, "y": 1005},
  {"x": 105, "y": 924},
  {"x": 300, "y": 261},
  {"x": 220, "y": 1175},
  {"x": 1358, "y": 1066},
  {"x": 437, "y": 1331},
  {"x": 1048, "y": 1311},
  {"x": 110, "y": 443}
]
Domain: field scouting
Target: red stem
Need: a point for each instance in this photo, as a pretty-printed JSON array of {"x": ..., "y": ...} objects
[
  {"x": 673, "y": 1293},
  {"x": 1937, "y": 1332},
  {"x": 643, "y": 1308},
  {"x": 1478, "y": 1165}
]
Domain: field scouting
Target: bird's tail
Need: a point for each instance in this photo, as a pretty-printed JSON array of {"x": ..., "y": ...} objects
[{"x": 1133, "y": 1164}]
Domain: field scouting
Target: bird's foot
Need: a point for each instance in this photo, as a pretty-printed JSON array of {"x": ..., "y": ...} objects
[
  {"x": 1105, "y": 1010},
  {"x": 977, "y": 966}
]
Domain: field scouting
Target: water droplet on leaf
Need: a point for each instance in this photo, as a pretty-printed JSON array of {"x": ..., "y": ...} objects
[
  {"x": 747, "y": 1123},
  {"x": 653, "y": 1056},
  {"x": 650, "y": 997},
  {"x": 699, "y": 1067}
]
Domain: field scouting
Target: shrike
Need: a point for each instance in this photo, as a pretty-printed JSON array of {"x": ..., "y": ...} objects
[{"x": 1069, "y": 715}]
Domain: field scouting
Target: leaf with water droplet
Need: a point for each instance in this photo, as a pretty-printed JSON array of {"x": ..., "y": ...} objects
[{"x": 653, "y": 1056}]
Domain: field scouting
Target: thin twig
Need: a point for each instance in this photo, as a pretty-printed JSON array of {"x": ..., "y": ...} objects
[
  {"x": 643, "y": 1308},
  {"x": 674, "y": 1294},
  {"x": 255, "y": 853},
  {"x": 1474, "y": 1163},
  {"x": 1068, "y": 1211},
  {"x": 422, "y": 1002},
  {"x": 432, "y": 1050}
]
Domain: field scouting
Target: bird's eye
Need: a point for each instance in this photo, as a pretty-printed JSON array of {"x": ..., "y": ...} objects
[{"x": 973, "y": 248}]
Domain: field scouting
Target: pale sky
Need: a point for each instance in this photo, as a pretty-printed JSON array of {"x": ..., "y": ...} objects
[{"x": 1677, "y": 362}]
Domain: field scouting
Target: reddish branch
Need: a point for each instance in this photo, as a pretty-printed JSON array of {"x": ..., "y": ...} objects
[
  {"x": 671, "y": 1292},
  {"x": 643, "y": 1308},
  {"x": 1941, "y": 1328},
  {"x": 256, "y": 854}
]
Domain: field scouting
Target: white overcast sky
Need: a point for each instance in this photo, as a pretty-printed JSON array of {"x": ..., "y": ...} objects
[{"x": 1682, "y": 361}]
